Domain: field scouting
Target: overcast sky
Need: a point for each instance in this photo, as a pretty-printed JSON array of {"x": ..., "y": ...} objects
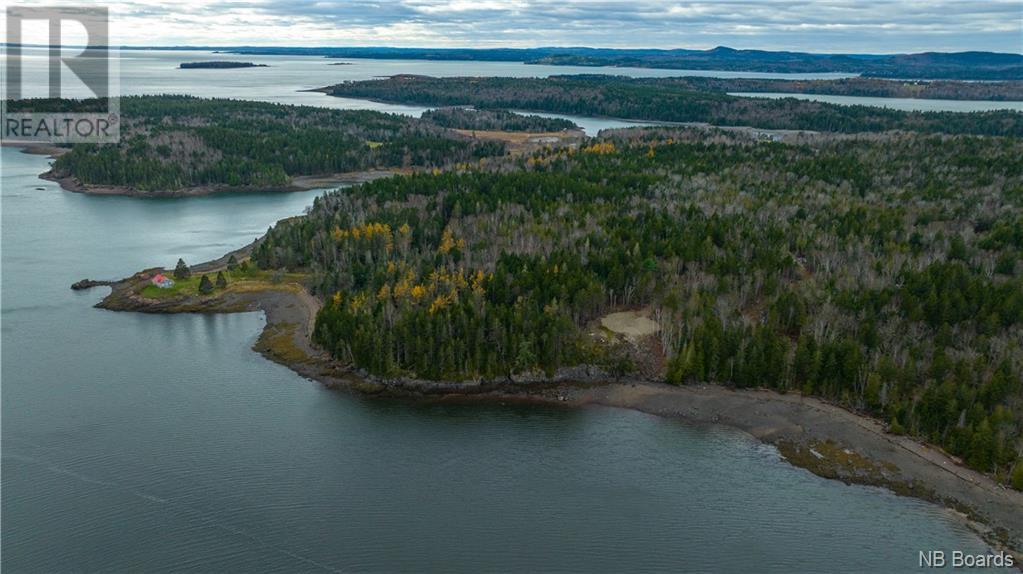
[{"x": 865, "y": 26}]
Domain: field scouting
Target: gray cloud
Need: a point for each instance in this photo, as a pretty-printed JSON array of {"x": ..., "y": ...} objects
[{"x": 808, "y": 25}]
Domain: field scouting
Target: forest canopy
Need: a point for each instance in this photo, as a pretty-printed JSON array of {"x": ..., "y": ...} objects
[{"x": 502, "y": 120}]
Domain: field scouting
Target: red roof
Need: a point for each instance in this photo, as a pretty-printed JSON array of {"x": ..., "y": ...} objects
[{"x": 158, "y": 278}]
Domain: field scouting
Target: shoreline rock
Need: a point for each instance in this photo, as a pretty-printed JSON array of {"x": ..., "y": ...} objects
[
  {"x": 299, "y": 183},
  {"x": 89, "y": 284}
]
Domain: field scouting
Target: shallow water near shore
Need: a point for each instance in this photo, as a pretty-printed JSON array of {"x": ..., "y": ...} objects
[{"x": 154, "y": 443}]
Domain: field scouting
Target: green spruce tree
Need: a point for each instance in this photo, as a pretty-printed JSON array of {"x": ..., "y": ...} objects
[
  {"x": 205, "y": 285},
  {"x": 181, "y": 270}
]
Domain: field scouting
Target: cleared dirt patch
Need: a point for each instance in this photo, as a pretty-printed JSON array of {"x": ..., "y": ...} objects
[
  {"x": 632, "y": 324},
  {"x": 519, "y": 142}
]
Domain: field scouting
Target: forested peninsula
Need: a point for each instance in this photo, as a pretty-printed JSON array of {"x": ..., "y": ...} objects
[
  {"x": 681, "y": 100},
  {"x": 173, "y": 145},
  {"x": 882, "y": 272}
]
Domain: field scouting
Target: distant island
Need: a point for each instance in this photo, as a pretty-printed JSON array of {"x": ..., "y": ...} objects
[
  {"x": 219, "y": 65},
  {"x": 922, "y": 66}
]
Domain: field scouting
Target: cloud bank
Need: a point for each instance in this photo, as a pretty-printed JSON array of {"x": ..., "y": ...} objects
[{"x": 862, "y": 26}]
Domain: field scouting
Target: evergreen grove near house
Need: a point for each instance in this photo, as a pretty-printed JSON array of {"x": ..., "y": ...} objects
[
  {"x": 880, "y": 271},
  {"x": 242, "y": 276}
]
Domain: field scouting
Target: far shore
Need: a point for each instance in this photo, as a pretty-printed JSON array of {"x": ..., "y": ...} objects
[
  {"x": 777, "y": 133},
  {"x": 824, "y": 438},
  {"x": 41, "y": 148},
  {"x": 298, "y": 183}
]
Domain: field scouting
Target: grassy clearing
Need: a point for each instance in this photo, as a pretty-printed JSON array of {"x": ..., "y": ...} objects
[{"x": 238, "y": 281}]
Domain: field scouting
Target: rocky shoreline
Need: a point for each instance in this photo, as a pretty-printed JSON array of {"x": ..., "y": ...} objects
[{"x": 824, "y": 438}]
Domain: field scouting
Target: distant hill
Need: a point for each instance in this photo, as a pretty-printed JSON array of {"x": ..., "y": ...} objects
[{"x": 927, "y": 65}]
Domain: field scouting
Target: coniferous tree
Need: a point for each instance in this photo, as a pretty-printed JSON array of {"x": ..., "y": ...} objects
[
  {"x": 181, "y": 270},
  {"x": 205, "y": 285},
  {"x": 221, "y": 280}
]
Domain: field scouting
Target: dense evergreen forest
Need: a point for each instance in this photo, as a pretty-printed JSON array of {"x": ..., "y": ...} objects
[
  {"x": 669, "y": 100},
  {"x": 502, "y": 120},
  {"x": 879, "y": 271},
  {"x": 174, "y": 142}
]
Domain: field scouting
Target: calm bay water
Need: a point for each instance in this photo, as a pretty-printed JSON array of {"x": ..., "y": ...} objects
[{"x": 135, "y": 442}]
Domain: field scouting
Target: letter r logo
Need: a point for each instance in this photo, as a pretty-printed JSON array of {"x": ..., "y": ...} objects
[{"x": 91, "y": 66}]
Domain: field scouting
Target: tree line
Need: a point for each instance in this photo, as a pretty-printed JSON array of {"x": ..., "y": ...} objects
[{"x": 502, "y": 120}]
